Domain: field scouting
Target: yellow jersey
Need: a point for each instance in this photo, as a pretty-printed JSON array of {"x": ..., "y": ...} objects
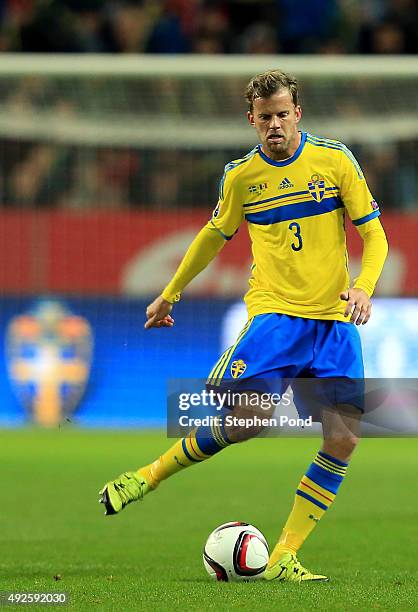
[{"x": 295, "y": 210}]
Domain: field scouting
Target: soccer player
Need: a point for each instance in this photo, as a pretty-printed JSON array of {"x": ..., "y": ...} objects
[{"x": 293, "y": 189}]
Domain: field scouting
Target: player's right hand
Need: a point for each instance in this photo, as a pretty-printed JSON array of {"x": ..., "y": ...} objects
[{"x": 158, "y": 314}]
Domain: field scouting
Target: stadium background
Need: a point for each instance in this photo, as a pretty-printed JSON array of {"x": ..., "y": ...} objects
[
  {"x": 110, "y": 164},
  {"x": 116, "y": 119}
]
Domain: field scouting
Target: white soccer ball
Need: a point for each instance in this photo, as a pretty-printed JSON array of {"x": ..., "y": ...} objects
[{"x": 235, "y": 551}]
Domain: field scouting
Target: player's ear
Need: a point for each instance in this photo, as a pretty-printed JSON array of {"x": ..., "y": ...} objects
[
  {"x": 298, "y": 112},
  {"x": 250, "y": 118}
]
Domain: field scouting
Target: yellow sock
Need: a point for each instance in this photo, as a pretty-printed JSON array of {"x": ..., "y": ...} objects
[
  {"x": 184, "y": 453},
  {"x": 299, "y": 525},
  {"x": 314, "y": 495}
]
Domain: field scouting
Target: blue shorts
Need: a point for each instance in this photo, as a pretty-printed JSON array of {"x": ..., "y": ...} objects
[{"x": 277, "y": 346}]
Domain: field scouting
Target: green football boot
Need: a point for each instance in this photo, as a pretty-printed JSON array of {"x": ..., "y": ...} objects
[
  {"x": 118, "y": 493},
  {"x": 288, "y": 569}
]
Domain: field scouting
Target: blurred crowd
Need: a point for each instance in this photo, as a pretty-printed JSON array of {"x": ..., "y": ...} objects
[
  {"x": 47, "y": 174},
  {"x": 209, "y": 26},
  {"x": 108, "y": 178}
]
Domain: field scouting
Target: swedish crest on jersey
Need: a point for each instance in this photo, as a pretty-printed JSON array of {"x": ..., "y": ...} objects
[
  {"x": 238, "y": 368},
  {"x": 316, "y": 187}
]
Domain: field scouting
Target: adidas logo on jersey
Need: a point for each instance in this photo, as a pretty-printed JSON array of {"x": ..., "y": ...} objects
[{"x": 285, "y": 184}]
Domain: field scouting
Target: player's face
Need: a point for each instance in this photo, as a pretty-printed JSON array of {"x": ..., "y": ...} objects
[{"x": 276, "y": 121}]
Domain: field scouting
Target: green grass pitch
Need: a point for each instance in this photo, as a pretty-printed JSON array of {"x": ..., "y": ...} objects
[{"x": 149, "y": 557}]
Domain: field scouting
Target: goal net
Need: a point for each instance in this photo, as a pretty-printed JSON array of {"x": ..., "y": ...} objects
[{"x": 184, "y": 118}]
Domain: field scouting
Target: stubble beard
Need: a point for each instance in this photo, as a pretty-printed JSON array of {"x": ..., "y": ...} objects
[{"x": 279, "y": 150}]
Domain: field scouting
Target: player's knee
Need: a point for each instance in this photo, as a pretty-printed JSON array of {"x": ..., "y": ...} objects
[
  {"x": 247, "y": 418},
  {"x": 341, "y": 447},
  {"x": 239, "y": 434},
  {"x": 239, "y": 428},
  {"x": 349, "y": 444}
]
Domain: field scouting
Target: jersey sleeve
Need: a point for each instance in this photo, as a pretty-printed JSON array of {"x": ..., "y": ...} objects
[
  {"x": 200, "y": 253},
  {"x": 229, "y": 212},
  {"x": 354, "y": 192},
  {"x": 375, "y": 248}
]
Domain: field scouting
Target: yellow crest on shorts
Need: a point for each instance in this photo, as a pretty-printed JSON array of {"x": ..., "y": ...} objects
[{"x": 238, "y": 368}]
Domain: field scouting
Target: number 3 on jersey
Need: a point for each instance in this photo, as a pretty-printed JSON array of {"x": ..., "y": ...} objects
[{"x": 295, "y": 227}]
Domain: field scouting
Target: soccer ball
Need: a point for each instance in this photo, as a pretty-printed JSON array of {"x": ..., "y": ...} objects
[{"x": 235, "y": 551}]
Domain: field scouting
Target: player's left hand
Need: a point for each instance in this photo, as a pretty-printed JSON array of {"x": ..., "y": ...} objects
[{"x": 358, "y": 305}]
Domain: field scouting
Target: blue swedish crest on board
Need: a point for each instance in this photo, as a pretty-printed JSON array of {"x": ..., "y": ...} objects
[{"x": 49, "y": 353}]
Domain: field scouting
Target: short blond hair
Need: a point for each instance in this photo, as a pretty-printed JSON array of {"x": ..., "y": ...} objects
[{"x": 267, "y": 83}]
